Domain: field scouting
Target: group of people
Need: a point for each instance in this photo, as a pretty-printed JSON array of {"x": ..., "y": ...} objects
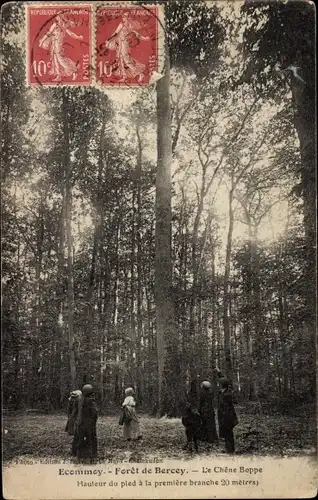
[
  {"x": 198, "y": 418},
  {"x": 82, "y": 419}
]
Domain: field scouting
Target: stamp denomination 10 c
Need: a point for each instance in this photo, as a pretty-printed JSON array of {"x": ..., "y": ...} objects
[
  {"x": 126, "y": 45},
  {"x": 59, "y": 44}
]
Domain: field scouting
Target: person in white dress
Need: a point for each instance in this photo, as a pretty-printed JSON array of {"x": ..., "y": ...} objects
[{"x": 131, "y": 421}]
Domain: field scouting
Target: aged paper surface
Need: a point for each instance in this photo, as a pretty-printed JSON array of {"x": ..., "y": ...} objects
[
  {"x": 263, "y": 477},
  {"x": 158, "y": 258}
]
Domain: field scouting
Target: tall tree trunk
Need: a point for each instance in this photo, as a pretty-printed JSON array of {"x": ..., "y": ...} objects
[
  {"x": 36, "y": 322},
  {"x": 97, "y": 235},
  {"x": 36, "y": 341},
  {"x": 165, "y": 314},
  {"x": 196, "y": 260},
  {"x": 305, "y": 124},
  {"x": 253, "y": 301},
  {"x": 59, "y": 305},
  {"x": 248, "y": 328},
  {"x": 115, "y": 303},
  {"x": 194, "y": 288},
  {"x": 218, "y": 330},
  {"x": 132, "y": 356},
  {"x": 91, "y": 304},
  {"x": 282, "y": 317},
  {"x": 283, "y": 339},
  {"x": 214, "y": 360},
  {"x": 260, "y": 339},
  {"x": 304, "y": 99},
  {"x": 69, "y": 240},
  {"x": 226, "y": 295},
  {"x": 139, "y": 379}
]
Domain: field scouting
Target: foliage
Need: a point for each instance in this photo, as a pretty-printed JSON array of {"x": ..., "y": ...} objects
[
  {"x": 227, "y": 140},
  {"x": 195, "y": 35},
  {"x": 279, "y": 33},
  {"x": 279, "y": 46}
]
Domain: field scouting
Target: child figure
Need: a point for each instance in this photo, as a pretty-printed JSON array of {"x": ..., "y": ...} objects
[
  {"x": 191, "y": 421},
  {"x": 131, "y": 421},
  {"x": 86, "y": 439}
]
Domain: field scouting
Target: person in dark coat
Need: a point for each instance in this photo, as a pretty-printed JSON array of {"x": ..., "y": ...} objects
[
  {"x": 74, "y": 403},
  {"x": 226, "y": 415},
  {"x": 192, "y": 422},
  {"x": 72, "y": 411},
  {"x": 191, "y": 419},
  {"x": 206, "y": 409},
  {"x": 86, "y": 438}
]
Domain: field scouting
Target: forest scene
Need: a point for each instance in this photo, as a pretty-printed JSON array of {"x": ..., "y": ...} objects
[{"x": 160, "y": 236}]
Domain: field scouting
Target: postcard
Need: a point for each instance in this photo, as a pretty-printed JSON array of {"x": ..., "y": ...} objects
[{"x": 158, "y": 249}]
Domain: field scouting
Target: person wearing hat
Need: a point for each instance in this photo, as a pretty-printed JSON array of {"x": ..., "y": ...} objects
[
  {"x": 226, "y": 415},
  {"x": 206, "y": 409},
  {"x": 72, "y": 411},
  {"x": 74, "y": 403},
  {"x": 86, "y": 438},
  {"x": 130, "y": 421}
]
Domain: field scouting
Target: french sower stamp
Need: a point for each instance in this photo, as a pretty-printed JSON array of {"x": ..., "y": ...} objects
[
  {"x": 59, "y": 44},
  {"x": 126, "y": 45}
]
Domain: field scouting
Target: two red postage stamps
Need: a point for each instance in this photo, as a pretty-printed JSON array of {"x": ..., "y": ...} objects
[{"x": 114, "y": 45}]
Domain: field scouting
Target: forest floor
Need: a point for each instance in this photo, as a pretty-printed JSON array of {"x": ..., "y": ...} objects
[{"x": 31, "y": 435}]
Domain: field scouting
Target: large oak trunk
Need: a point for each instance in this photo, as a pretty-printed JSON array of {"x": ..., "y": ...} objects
[
  {"x": 165, "y": 314},
  {"x": 69, "y": 242},
  {"x": 226, "y": 296},
  {"x": 305, "y": 124}
]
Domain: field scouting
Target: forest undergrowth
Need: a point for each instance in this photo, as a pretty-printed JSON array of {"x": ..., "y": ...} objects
[{"x": 36, "y": 435}]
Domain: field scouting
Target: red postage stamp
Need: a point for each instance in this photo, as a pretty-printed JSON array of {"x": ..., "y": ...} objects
[
  {"x": 59, "y": 44},
  {"x": 127, "y": 41}
]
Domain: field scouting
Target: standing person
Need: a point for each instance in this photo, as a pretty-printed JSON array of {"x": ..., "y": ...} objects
[
  {"x": 191, "y": 417},
  {"x": 72, "y": 411},
  {"x": 191, "y": 421},
  {"x": 74, "y": 403},
  {"x": 131, "y": 421},
  {"x": 86, "y": 439},
  {"x": 206, "y": 409},
  {"x": 226, "y": 415}
]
